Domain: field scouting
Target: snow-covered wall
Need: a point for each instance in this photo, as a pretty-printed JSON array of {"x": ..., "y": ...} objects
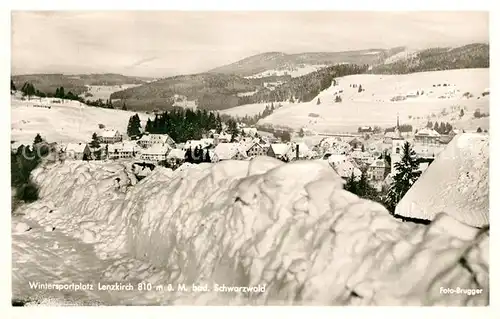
[{"x": 291, "y": 227}]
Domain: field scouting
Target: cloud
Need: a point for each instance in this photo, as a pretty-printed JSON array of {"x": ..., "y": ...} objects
[{"x": 151, "y": 43}]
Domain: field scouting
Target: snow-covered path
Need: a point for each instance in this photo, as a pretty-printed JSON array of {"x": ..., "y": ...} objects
[{"x": 51, "y": 257}]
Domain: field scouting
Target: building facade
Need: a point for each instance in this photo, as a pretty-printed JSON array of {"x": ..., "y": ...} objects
[{"x": 110, "y": 137}]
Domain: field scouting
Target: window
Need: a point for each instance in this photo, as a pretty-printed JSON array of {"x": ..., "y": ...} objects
[{"x": 397, "y": 150}]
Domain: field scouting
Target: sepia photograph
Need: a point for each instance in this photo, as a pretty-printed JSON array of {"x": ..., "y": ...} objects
[{"x": 250, "y": 158}]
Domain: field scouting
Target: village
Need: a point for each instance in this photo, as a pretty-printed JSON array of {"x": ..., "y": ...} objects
[{"x": 367, "y": 152}]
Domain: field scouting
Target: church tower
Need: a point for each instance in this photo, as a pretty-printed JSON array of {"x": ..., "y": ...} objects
[{"x": 397, "y": 147}]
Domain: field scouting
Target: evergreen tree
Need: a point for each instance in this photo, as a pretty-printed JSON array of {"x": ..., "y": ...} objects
[
  {"x": 318, "y": 102},
  {"x": 301, "y": 132},
  {"x": 285, "y": 136},
  {"x": 407, "y": 172},
  {"x": 218, "y": 127},
  {"x": 38, "y": 139},
  {"x": 338, "y": 99},
  {"x": 462, "y": 112},
  {"x": 436, "y": 127},
  {"x": 429, "y": 124},
  {"x": 360, "y": 89},
  {"x": 207, "y": 157},
  {"x": 442, "y": 128},
  {"x": 188, "y": 156},
  {"x": 149, "y": 126},
  {"x": 85, "y": 157},
  {"x": 28, "y": 90},
  {"x": 124, "y": 107},
  {"x": 12, "y": 85},
  {"x": 350, "y": 184},
  {"x": 479, "y": 130},
  {"x": 449, "y": 128},
  {"x": 134, "y": 126},
  {"x": 95, "y": 141}
]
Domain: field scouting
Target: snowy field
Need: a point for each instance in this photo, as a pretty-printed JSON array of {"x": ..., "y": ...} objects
[
  {"x": 250, "y": 109},
  {"x": 289, "y": 230},
  {"x": 374, "y": 106},
  {"x": 70, "y": 121},
  {"x": 103, "y": 92}
]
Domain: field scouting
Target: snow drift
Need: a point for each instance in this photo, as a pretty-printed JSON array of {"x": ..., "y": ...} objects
[
  {"x": 458, "y": 181},
  {"x": 291, "y": 227}
]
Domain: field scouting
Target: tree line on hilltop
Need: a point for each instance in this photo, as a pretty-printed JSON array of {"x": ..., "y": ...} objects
[{"x": 181, "y": 124}]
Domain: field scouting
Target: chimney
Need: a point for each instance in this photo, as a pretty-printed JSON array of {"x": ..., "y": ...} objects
[{"x": 297, "y": 151}]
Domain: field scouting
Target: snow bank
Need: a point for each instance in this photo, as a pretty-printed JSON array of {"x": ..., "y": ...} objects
[
  {"x": 289, "y": 227},
  {"x": 457, "y": 181}
]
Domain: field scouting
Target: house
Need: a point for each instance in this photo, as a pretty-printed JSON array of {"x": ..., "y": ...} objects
[
  {"x": 155, "y": 153},
  {"x": 125, "y": 149},
  {"x": 148, "y": 140},
  {"x": 456, "y": 183},
  {"x": 388, "y": 136},
  {"x": 203, "y": 143},
  {"x": 364, "y": 157},
  {"x": 77, "y": 151},
  {"x": 110, "y": 136},
  {"x": 257, "y": 149},
  {"x": 299, "y": 151},
  {"x": 365, "y": 129},
  {"x": 343, "y": 166},
  {"x": 176, "y": 157},
  {"x": 376, "y": 171},
  {"x": 222, "y": 138},
  {"x": 176, "y": 154},
  {"x": 427, "y": 136},
  {"x": 279, "y": 150},
  {"x": 249, "y": 131},
  {"x": 229, "y": 151}
]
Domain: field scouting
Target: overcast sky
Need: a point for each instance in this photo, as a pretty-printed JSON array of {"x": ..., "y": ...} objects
[{"x": 167, "y": 43}]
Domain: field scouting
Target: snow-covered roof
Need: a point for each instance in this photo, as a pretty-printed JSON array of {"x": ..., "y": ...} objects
[
  {"x": 126, "y": 146},
  {"x": 379, "y": 163},
  {"x": 156, "y": 149},
  {"x": 280, "y": 148},
  {"x": 145, "y": 138},
  {"x": 176, "y": 154},
  {"x": 76, "y": 147},
  {"x": 225, "y": 151},
  {"x": 161, "y": 138},
  {"x": 304, "y": 150},
  {"x": 457, "y": 183},
  {"x": 109, "y": 133},
  {"x": 336, "y": 159},
  {"x": 427, "y": 132},
  {"x": 346, "y": 169}
]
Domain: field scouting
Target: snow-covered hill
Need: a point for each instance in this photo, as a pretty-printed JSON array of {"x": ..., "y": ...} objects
[
  {"x": 70, "y": 121},
  {"x": 250, "y": 109},
  {"x": 373, "y": 106},
  {"x": 290, "y": 228},
  {"x": 293, "y": 71}
]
